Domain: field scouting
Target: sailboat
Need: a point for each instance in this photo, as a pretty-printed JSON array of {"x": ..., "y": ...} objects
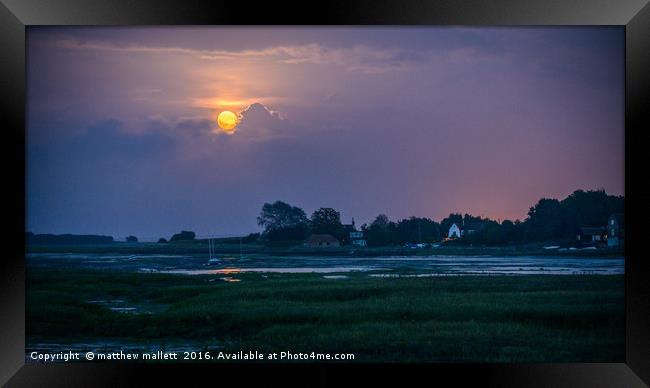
[{"x": 211, "y": 260}]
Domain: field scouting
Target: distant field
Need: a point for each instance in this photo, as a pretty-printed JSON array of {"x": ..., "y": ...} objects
[{"x": 467, "y": 319}]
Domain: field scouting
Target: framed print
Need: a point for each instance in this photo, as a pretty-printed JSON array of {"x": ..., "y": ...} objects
[{"x": 373, "y": 190}]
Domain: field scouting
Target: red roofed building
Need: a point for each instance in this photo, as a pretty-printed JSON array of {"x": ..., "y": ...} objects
[{"x": 322, "y": 240}]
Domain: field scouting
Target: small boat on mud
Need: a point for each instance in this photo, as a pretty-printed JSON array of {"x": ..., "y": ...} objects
[{"x": 211, "y": 260}]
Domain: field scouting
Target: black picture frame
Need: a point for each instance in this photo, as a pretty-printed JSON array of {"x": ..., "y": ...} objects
[{"x": 15, "y": 15}]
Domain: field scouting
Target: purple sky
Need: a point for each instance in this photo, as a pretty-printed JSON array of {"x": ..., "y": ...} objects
[{"x": 122, "y": 137}]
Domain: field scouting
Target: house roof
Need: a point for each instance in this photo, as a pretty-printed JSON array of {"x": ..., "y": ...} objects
[{"x": 321, "y": 238}]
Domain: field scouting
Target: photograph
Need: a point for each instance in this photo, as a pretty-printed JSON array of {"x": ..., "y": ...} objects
[{"x": 325, "y": 194}]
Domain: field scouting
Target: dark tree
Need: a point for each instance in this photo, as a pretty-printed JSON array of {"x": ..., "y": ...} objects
[
  {"x": 589, "y": 208},
  {"x": 326, "y": 221},
  {"x": 283, "y": 222},
  {"x": 381, "y": 231},
  {"x": 512, "y": 231},
  {"x": 470, "y": 219},
  {"x": 184, "y": 235},
  {"x": 132, "y": 239},
  {"x": 280, "y": 215},
  {"x": 415, "y": 229},
  {"x": 553, "y": 220},
  {"x": 546, "y": 221},
  {"x": 162, "y": 240},
  {"x": 489, "y": 233}
]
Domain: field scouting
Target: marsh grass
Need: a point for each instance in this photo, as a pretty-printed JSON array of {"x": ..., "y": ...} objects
[{"x": 466, "y": 319}]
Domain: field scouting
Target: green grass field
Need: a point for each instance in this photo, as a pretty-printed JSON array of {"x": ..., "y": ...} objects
[{"x": 466, "y": 319}]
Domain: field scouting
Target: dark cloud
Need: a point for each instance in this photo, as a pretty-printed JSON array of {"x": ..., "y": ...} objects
[
  {"x": 257, "y": 114},
  {"x": 177, "y": 127},
  {"x": 104, "y": 143},
  {"x": 260, "y": 123}
]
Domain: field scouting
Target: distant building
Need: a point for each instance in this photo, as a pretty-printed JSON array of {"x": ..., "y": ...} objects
[
  {"x": 615, "y": 230},
  {"x": 458, "y": 231},
  {"x": 454, "y": 231},
  {"x": 349, "y": 228},
  {"x": 593, "y": 235},
  {"x": 612, "y": 235},
  {"x": 356, "y": 237},
  {"x": 322, "y": 240},
  {"x": 352, "y": 235}
]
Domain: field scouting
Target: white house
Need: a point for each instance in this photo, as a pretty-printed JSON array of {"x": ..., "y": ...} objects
[
  {"x": 357, "y": 238},
  {"x": 454, "y": 231}
]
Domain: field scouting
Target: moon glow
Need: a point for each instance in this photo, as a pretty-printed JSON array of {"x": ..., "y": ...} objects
[{"x": 227, "y": 121}]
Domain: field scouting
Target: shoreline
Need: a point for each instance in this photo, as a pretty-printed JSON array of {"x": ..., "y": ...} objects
[{"x": 345, "y": 251}]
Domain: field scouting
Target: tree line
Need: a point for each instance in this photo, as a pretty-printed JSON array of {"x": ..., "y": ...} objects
[
  {"x": 547, "y": 220},
  {"x": 284, "y": 224}
]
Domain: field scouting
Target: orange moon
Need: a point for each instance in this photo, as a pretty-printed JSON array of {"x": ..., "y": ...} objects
[{"x": 227, "y": 121}]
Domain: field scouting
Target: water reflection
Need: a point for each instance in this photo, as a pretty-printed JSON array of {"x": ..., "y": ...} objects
[
  {"x": 468, "y": 265},
  {"x": 229, "y": 271}
]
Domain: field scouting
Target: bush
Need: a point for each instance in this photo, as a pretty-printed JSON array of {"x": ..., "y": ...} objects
[{"x": 184, "y": 235}]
